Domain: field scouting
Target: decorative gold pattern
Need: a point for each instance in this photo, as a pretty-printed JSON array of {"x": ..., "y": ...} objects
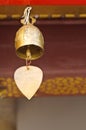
[
  {"x": 59, "y": 86},
  {"x": 64, "y": 86},
  {"x": 12, "y": 90}
]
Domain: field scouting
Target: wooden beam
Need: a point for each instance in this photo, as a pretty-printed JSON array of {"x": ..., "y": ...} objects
[{"x": 40, "y": 11}]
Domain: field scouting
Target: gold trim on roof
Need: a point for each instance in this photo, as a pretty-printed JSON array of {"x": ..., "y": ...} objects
[
  {"x": 59, "y": 86},
  {"x": 64, "y": 86}
]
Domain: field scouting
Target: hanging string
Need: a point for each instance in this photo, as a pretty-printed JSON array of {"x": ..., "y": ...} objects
[{"x": 26, "y": 16}]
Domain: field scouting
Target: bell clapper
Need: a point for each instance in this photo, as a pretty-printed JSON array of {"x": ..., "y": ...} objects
[{"x": 28, "y": 58}]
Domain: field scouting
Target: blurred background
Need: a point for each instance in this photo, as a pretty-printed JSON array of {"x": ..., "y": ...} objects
[{"x": 60, "y": 102}]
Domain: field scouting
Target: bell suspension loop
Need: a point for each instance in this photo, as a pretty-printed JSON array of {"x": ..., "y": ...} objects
[{"x": 26, "y": 16}]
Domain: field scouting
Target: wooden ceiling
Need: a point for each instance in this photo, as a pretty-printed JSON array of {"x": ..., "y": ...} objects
[
  {"x": 44, "y": 11},
  {"x": 64, "y": 59}
]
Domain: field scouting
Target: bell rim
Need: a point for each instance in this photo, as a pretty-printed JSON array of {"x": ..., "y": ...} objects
[{"x": 22, "y": 56}]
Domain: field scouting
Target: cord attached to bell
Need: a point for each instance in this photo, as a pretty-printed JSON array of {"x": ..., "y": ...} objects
[{"x": 26, "y": 17}]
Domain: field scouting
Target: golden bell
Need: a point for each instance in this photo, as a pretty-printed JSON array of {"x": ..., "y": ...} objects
[{"x": 29, "y": 37}]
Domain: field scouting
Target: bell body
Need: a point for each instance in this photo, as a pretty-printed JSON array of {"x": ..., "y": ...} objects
[{"x": 29, "y": 37}]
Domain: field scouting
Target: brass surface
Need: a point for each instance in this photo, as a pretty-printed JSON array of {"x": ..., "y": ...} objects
[{"x": 29, "y": 36}]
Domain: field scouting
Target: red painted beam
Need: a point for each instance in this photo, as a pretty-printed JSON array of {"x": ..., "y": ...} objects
[
  {"x": 14, "y": 2},
  {"x": 58, "y": 2},
  {"x": 42, "y": 2}
]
